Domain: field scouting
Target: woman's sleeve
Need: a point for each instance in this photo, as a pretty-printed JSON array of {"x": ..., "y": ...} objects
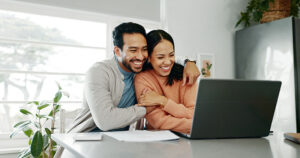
[
  {"x": 159, "y": 119},
  {"x": 140, "y": 83},
  {"x": 185, "y": 110}
]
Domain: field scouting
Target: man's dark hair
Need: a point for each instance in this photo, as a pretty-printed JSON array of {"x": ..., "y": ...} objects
[
  {"x": 153, "y": 38},
  {"x": 128, "y": 27}
]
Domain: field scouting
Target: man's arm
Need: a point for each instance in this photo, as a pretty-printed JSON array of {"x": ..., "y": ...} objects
[
  {"x": 190, "y": 72},
  {"x": 99, "y": 98}
]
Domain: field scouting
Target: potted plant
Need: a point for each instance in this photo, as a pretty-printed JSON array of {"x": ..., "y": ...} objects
[
  {"x": 268, "y": 10},
  {"x": 36, "y": 129}
]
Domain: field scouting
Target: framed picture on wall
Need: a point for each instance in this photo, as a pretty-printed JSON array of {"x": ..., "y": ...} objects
[{"x": 206, "y": 65}]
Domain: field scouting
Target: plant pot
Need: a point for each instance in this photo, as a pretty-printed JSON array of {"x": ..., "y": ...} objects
[{"x": 277, "y": 10}]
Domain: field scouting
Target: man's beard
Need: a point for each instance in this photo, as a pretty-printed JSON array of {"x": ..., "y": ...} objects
[{"x": 126, "y": 64}]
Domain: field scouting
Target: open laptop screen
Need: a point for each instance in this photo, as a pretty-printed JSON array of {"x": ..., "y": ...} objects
[{"x": 234, "y": 108}]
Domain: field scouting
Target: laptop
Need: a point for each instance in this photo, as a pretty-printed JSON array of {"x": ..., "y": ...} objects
[{"x": 234, "y": 108}]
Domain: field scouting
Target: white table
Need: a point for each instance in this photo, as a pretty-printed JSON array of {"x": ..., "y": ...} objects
[{"x": 274, "y": 146}]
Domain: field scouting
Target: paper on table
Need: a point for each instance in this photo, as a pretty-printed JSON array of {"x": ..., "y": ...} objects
[{"x": 142, "y": 135}]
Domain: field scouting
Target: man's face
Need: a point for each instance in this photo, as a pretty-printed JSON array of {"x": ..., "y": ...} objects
[{"x": 134, "y": 53}]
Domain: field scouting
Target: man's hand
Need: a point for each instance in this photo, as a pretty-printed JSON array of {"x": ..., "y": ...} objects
[
  {"x": 151, "y": 98},
  {"x": 190, "y": 73}
]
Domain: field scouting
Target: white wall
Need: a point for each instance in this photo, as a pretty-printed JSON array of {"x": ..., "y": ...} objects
[
  {"x": 199, "y": 26},
  {"x": 141, "y": 9}
]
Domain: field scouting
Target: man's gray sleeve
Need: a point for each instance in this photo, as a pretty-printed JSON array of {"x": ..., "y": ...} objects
[{"x": 99, "y": 99}]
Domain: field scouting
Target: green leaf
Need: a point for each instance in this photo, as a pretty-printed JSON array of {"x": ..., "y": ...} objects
[
  {"x": 44, "y": 116},
  {"x": 37, "y": 125},
  {"x": 240, "y": 20},
  {"x": 203, "y": 71},
  {"x": 257, "y": 16},
  {"x": 54, "y": 143},
  {"x": 48, "y": 131},
  {"x": 47, "y": 117},
  {"x": 238, "y": 23},
  {"x": 28, "y": 132},
  {"x": 20, "y": 123},
  {"x": 50, "y": 113},
  {"x": 20, "y": 128},
  {"x": 45, "y": 141},
  {"x": 57, "y": 97},
  {"x": 209, "y": 66},
  {"x": 53, "y": 152},
  {"x": 56, "y": 108},
  {"x": 264, "y": 5},
  {"x": 58, "y": 85},
  {"x": 29, "y": 142},
  {"x": 37, "y": 144},
  {"x": 245, "y": 17},
  {"x": 294, "y": 8},
  {"x": 45, "y": 156},
  {"x": 33, "y": 102},
  {"x": 46, "y": 146},
  {"x": 24, "y": 153},
  {"x": 40, "y": 107},
  {"x": 25, "y": 112},
  {"x": 44, "y": 102},
  {"x": 256, "y": 8}
]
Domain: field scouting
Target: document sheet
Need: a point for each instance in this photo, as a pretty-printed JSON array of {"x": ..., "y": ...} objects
[{"x": 142, "y": 135}]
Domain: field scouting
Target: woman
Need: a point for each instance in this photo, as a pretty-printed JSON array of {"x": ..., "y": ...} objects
[{"x": 170, "y": 105}]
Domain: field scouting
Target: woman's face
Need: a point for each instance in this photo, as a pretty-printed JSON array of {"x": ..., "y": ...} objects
[{"x": 162, "y": 58}]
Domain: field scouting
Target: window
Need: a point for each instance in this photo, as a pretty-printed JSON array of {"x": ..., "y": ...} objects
[{"x": 36, "y": 51}]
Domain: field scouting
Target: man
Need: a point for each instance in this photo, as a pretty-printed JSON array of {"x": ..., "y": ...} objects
[{"x": 109, "y": 97}]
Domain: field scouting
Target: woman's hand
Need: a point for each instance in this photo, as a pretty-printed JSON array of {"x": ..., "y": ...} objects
[{"x": 151, "y": 98}]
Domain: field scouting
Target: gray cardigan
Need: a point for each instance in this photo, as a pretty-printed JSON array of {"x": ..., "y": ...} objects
[{"x": 102, "y": 93}]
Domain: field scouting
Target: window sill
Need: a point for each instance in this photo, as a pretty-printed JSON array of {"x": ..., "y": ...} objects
[
  {"x": 5, "y": 136},
  {"x": 14, "y": 145},
  {"x": 10, "y": 151}
]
